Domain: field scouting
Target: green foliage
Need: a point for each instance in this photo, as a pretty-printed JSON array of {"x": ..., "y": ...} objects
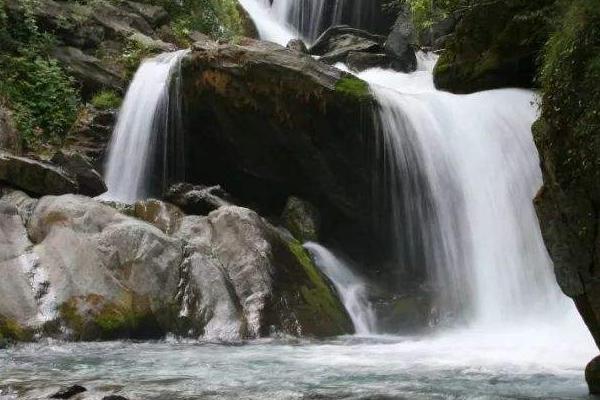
[
  {"x": 219, "y": 19},
  {"x": 569, "y": 132},
  {"x": 42, "y": 96},
  {"x": 355, "y": 87},
  {"x": 427, "y": 12},
  {"x": 106, "y": 99}
]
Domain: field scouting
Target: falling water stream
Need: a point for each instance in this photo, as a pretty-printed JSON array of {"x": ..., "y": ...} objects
[
  {"x": 461, "y": 174},
  {"x": 144, "y": 121}
]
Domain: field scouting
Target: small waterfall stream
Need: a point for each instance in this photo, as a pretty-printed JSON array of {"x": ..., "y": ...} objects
[
  {"x": 351, "y": 288},
  {"x": 145, "y": 119}
]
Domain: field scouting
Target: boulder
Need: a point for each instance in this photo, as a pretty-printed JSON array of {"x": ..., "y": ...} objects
[
  {"x": 35, "y": 176},
  {"x": 302, "y": 219},
  {"x": 88, "y": 70},
  {"x": 276, "y": 282},
  {"x": 267, "y": 123},
  {"x": 401, "y": 40},
  {"x": 359, "y": 61},
  {"x": 592, "y": 375},
  {"x": 99, "y": 274},
  {"x": 297, "y": 45},
  {"x": 336, "y": 42},
  {"x": 9, "y": 136},
  {"x": 68, "y": 392},
  {"x": 496, "y": 44},
  {"x": 89, "y": 181},
  {"x": 198, "y": 200}
]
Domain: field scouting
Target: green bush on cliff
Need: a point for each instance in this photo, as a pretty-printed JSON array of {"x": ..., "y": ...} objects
[
  {"x": 427, "y": 12},
  {"x": 42, "y": 96},
  {"x": 570, "y": 125}
]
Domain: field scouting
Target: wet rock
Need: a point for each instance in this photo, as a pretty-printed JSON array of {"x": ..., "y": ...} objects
[
  {"x": 69, "y": 392},
  {"x": 592, "y": 375},
  {"x": 399, "y": 43},
  {"x": 88, "y": 70},
  {"x": 302, "y": 219},
  {"x": 154, "y": 45},
  {"x": 335, "y": 43},
  {"x": 359, "y": 61},
  {"x": 297, "y": 45},
  {"x": 114, "y": 397},
  {"x": 35, "y": 176},
  {"x": 89, "y": 181},
  {"x": 267, "y": 123},
  {"x": 198, "y": 200},
  {"x": 9, "y": 136},
  {"x": 276, "y": 282}
]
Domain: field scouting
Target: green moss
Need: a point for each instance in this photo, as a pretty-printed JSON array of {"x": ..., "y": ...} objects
[
  {"x": 351, "y": 86},
  {"x": 11, "y": 331},
  {"x": 106, "y": 99},
  {"x": 571, "y": 96},
  {"x": 317, "y": 295},
  {"x": 90, "y": 318}
]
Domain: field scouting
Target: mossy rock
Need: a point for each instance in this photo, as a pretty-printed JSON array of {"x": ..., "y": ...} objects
[
  {"x": 11, "y": 331},
  {"x": 302, "y": 219},
  {"x": 92, "y": 318},
  {"x": 496, "y": 44},
  {"x": 304, "y": 302},
  {"x": 354, "y": 87}
]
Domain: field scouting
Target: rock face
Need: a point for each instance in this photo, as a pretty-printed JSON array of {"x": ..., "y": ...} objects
[
  {"x": 267, "y": 122},
  {"x": 567, "y": 138},
  {"x": 89, "y": 182},
  {"x": 361, "y": 50},
  {"x": 73, "y": 262},
  {"x": 496, "y": 44},
  {"x": 592, "y": 375}
]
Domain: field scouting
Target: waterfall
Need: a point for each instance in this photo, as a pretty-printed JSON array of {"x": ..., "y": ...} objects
[
  {"x": 350, "y": 287},
  {"x": 280, "y": 21},
  {"x": 461, "y": 173},
  {"x": 140, "y": 142}
]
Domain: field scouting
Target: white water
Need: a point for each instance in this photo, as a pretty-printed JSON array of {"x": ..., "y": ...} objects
[
  {"x": 283, "y": 20},
  {"x": 351, "y": 288},
  {"x": 460, "y": 173},
  {"x": 143, "y": 123}
]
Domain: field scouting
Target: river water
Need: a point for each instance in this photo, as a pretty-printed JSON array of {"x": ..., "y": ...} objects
[{"x": 453, "y": 365}]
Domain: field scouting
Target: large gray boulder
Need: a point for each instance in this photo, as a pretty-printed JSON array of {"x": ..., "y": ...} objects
[
  {"x": 337, "y": 42},
  {"x": 78, "y": 264}
]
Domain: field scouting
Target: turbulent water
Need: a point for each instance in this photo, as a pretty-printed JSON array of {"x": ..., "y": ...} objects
[
  {"x": 458, "y": 365},
  {"x": 351, "y": 288},
  {"x": 283, "y": 20},
  {"x": 139, "y": 142}
]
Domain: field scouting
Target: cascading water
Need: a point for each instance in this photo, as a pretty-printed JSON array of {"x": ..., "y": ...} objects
[
  {"x": 351, "y": 288},
  {"x": 283, "y": 20},
  {"x": 461, "y": 174},
  {"x": 145, "y": 120}
]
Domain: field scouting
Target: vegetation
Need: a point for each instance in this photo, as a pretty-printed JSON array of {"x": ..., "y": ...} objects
[
  {"x": 106, "y": 99},
  {"x": 570, "y": 127},
  {"x": 427, "y": 12},
  {"x": 43, "y": 98}
]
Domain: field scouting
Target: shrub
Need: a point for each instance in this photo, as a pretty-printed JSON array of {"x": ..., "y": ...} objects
[{"x": 106, "y": 99}]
